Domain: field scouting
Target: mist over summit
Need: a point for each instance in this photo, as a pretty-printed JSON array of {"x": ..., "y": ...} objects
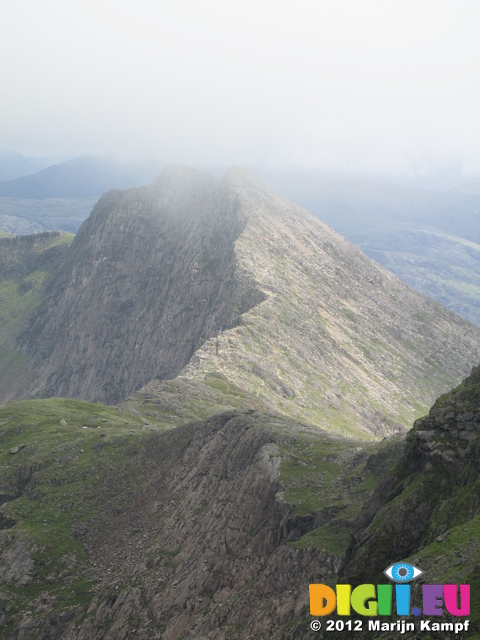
[{"x": 407, "y": 230}]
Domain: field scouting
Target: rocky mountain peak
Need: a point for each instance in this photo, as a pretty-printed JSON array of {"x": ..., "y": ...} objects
[
  {"x": 152, "y": 274},
  {"x": 197, "y": 276},
  {"x": 450, "y": 432}
]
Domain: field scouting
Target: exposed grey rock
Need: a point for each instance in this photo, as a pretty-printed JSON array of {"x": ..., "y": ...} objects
[
  {"x": 16, "y": 449},
  {"x": 16, "y": 563},
  {"x": 434, "y": 489}
]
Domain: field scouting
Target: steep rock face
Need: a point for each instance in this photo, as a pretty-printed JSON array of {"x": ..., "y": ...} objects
[
  {"x": 199, "y": 276},
  {"x": 224, "y": 528},
  {"x": 150, "y": 277},
  {"x": 430, "y": 504},
  {"x": 339, "y": 341}
]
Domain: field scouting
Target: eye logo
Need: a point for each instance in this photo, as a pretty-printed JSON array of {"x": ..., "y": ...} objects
[
  {"x": 378, "y": 600},
  {"x": 402, "y": 572}
]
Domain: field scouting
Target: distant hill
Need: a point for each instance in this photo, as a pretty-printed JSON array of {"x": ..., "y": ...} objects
[
  {"x": 359, "y": 208},
  {"x": 24, "y": 216},
  {"x": 16, "y": 225},
  {"x": 79, "y": 178},
  {"x": 442, "y": 266},
  {"x": 15, "y": 165},
  {"x": 61, "y": 197}
]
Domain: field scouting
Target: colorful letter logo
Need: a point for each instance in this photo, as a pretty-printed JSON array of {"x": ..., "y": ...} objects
[{"x": 376, "y": 600}]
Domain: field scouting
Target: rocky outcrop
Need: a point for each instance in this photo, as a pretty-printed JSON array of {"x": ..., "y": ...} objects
[
  {"x": 434, "y": 487},
  {"x": 16, "y": 562}
]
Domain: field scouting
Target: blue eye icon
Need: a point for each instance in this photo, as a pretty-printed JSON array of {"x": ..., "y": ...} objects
[{"x": 402, "y": 572}]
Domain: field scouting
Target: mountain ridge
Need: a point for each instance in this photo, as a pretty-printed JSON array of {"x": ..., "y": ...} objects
[
  {"x": 407, "y": 230},
  {"x": 198, "y": 276},
  {"x": 80, "y": 177},
  {"x": 400, "y": 226}
]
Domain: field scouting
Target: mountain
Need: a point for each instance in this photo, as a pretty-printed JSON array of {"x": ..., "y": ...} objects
[
  {"x": 15, "y": 225},
  {"x": 407, "y": 230},
  {"x": 362, "y": 206},
  {"x": 26, "y": 264},
  {"x": 111, "y": 529},
  {"x": 61, "y": 197},
  {"x": 427, "y": 510},
  {"x": 82, "y": 177},
  {"x": 441, "y": 451},
  {"x": 418, "y": 257},
  {"x": 221, "y": 285},
  {"x": 15, "y": 165},
  {"x": 399, "y": 226}
]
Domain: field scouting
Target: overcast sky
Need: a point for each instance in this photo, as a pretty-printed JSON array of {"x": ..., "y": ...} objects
[{"x": 365, "y": 85}]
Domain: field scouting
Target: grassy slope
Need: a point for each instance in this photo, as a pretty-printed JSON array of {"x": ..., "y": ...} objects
[
  {"x": 56, "y": 481},
  {"x": 328, "y": 478},
  {"x": 26, "y": 266},
  {"x": 175, "y": 402}
]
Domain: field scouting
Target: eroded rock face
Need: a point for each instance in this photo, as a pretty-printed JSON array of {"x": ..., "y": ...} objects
[
  {"x": 433, "y": 488},
  {"x": 201, "y": 551},
  {"x": 16, "y": 562},
  {"x": 151, "y": 275},
  {"x": 214, "y": 529}
]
